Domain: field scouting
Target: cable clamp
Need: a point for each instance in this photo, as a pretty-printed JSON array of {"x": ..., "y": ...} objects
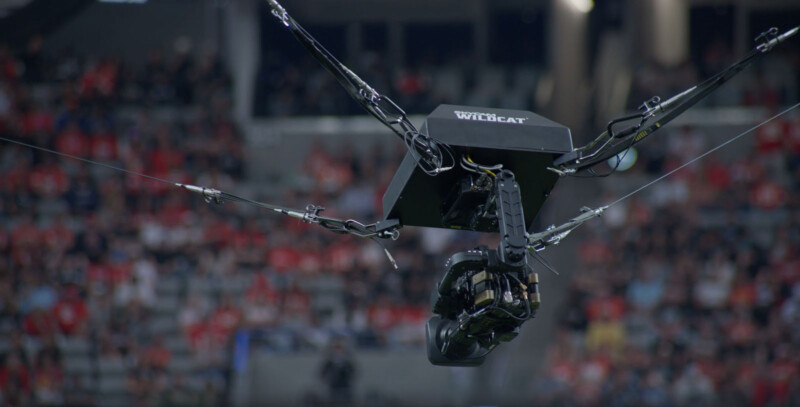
[
  {"x": 279, "y": 12},
  {"x": 562, "y": 173},
  {"x": 312, "y": 213}
]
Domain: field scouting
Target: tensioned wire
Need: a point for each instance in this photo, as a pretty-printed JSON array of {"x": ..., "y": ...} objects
[
  {"x": 701, "y": 156},
  {"x": 285, "y": 210}
]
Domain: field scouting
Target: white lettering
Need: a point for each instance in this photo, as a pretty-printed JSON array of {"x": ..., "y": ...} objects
[{"x": 488, "y": 117}]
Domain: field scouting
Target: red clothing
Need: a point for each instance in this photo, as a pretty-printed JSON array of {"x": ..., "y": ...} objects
[
  {"x": 283, "y": 259},
  {"x": 782, "y": 372},
  {"x": 198, "y": 336},
  {"x": 383, "y": 317},
  {"x": 70, "y": 315},
  {"x": 718, "y": 175},
  {"x": 246, "y": 239},
  {"x": 49, "y": 180},
  {"x": 594, "y": 252},
  {"x": 261, "y": 288},
  {"x": 341, "y": 256},
  {"x": 58, "y": 235},
  {"x": 770, "y": 137},
  {"x": 225, "y": 320},
  {"x": 741, "y": 332},
  {"x": 163, "y": 161},
  {"x": 16, "y": 179},
  {"x": 98, "y": 275},
  {"x": 19, "y": 376},
  {"x": 768, "y": 195},
  {"x": 157, "y": 356},
  {"x": 103, "y": 147},
  {"x": 40, "y": 323},
  {"x": 74, "y": 142},
  {"x": 793, "y": 137},
  {"x": 613, "y": 306},
  {"x": 219, "y": 233},
  {"x": 412, "y": 315},
  {"x": 36, "y": 121},
  {"x": 563, "y": 371},
  {"x": 743, "y": 294}
]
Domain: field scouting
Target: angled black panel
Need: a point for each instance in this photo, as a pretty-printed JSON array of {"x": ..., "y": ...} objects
[{"x": 522, "y": 141}]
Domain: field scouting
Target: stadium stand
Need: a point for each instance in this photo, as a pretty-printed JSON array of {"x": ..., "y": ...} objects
[{"x": 116, "y": 290}]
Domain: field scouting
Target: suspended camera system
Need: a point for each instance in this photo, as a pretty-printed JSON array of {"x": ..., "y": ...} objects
[{"x": 486, "y": 170}]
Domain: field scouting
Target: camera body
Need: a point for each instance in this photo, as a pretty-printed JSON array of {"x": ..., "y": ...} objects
[
  {"x": 479, "y": 303},
  {"x": 485, "y": 294}
]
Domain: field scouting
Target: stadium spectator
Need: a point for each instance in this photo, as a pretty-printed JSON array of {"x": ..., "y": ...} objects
[
  {"x": 71, "y": 312},
  {"x": 338, "y": 371}
]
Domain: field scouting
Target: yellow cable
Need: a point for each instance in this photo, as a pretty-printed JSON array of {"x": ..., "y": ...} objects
[{"x": 487, "y": 171}]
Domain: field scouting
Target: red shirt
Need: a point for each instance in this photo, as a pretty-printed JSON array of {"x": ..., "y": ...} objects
[
  {"x": 614, "y": 306},
  {"x": 225, "y": 320},
  {"x": 70, "y": 315},
  {"x": 793, "y": 136},
  {"x": 261, "y": 288},
  {"x": 58, "y": 235},
  {"x": 245, "y": 239},
  {"x": 781, "y": 372},
  {"x": 157, "y": 356},
  {"x": 99, "y": 273},
  {"x": 718, "y": 175},
  {"x": 39, "y": 323},
  {"x": 103, "y": 147},
  {"x": 341, "y": 257},
  {"x": 768, "y": 195},
  {"x": 283, "y": 259},
  {"x": 770, "y": 136},
  {"x": 218, "y": 232},
  {"x": 162, "y": 161},
  {"x": 412, "y": 315},
  {"x": 50, "y": 180},
  {"x": 17, "y": 178},
  {"x": 36, "y": 121},
  {"x": 198, "y": 336},
  {"x": 74, "y": 142},
  {"x": 20, "y": 374},
  {"x": 594, "y": 252},
  {"x": 383, "y": 317}
]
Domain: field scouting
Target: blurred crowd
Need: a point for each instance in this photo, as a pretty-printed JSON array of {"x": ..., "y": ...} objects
[
  {"x": 111, "y": 283},
  {"x": 79, "y": 267},
  {"x": 114, "y": 284},
  {"x": 689, "y": 293}
]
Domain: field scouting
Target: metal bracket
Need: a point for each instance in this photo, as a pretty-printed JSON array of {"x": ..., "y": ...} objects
[
  {"x": 554, "y": 234},
  {"x": 279, "y": 12}
]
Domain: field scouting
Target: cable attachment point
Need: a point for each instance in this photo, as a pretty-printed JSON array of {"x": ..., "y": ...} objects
[
  {"x": 562, "y": 173},
  {"x": 393, "y": 234},
  {"x": 770, "y": 39},
  {"x": 554, "y": 234},
  {"x": 763, "y": 39},
  {"x": 279, "y": 12},
  {"x": 210, "y": 195},
  {"x": 649, "y": 107},
  {"x": 312, "y": 213}
]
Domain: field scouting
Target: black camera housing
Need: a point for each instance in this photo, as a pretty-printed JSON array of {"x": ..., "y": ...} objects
[
  {"x": 522, "y": 141},
  {"x": 479, "y": 303},
  {"x": 485, "y": 294}
]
